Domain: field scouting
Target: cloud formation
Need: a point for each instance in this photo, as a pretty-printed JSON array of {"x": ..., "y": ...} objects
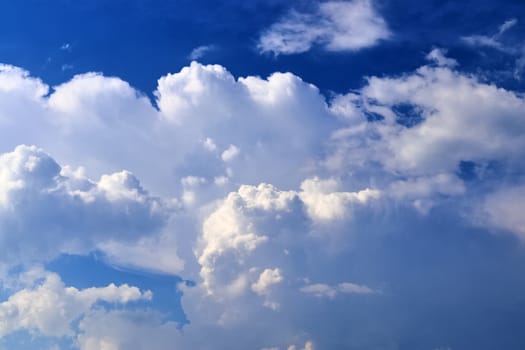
[
  {"x": 334, "y": 25},
  {"x": 47, "y": 210},
  {"x": 46, "y": 306},
  {"x": 263, "y": 192}
]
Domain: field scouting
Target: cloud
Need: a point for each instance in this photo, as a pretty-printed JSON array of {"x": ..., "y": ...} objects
[
  {"x": 231, "y": 232},
  {"x": 334, "y": 25},
  {"x": 326, "y": 291},
  {"x": 46, "y": 210},
  {"x": 497, "y": 41},
  {"x": 267, "y": 278},
  {"x": 230, "y": 153},
  {"x": 370, "y": 186},
  {"x": 503, "y": 210},
  {"x": 125, "y": 329},
  {"x": 438, "y": 57},
  {"x": 492, "y": 41},
  {"x": 444, "y": 103},
  {"x": 324, "y": 203},
  {"x": 48, "y": 307},
  {"x": 200, "y": 51}
]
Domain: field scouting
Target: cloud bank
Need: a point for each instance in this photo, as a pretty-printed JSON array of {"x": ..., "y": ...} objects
[{"x": 281, "y": 205}]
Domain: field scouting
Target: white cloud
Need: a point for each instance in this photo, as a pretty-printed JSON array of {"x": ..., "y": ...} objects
[
  {"x": 231, "y": 230},
  {"x": 307, "y": 346},
  {"x": 503, "y": 209},
  {"x": 492, "y": 41},
  {"x": 438, "y": 57},
  {"x": 230, "y": 153},
  {"x": 209, "y": 144},
  {"x": 335, "y": 25},
  {"x": 327, "y": 291},
  {"x": 497, "y": 41},
  {"x": 324, "y": 203},
  {"x": 158, "y": 254},
  {"x": 200, "y": 51},
  {"x": 49, "y": 307},
  {"x": 266, "y": 280},
  {"x": 447, "y": 103},
  {"x": 45, "y": 212},
  {"x": 250, "y": 248}
]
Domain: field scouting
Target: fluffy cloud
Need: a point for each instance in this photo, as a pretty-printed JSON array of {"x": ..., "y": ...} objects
[
  {"x": 324, "y": 203},
  {"x": 46, "y": 210},
  {"x": 250, "y": 218},
  {"x": 423, "y": 118},
  {"x": 267, "y": 278},
  {"x": 353, "y": 169},
  {"x": 48, "y": 307},
  {"x": 335, "y": 25}
]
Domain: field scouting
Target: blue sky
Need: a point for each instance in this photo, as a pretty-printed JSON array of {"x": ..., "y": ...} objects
[{"x": 262, "y": 175}]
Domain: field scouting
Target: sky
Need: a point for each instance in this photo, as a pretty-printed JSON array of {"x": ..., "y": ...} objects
[{"x": 264, "y": 174}]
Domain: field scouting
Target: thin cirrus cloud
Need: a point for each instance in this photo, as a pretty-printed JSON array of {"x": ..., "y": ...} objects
[
  {"x": 326, "y": 291},
  {"x": 492, "y": 41},
  {"x": 201, "y": 51},
  {"x": 334, "y": 26},
  {"x": 498, "y": 41}
]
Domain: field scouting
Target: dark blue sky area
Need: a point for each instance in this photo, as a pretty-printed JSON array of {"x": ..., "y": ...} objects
[{"x": 140, "y": 40}]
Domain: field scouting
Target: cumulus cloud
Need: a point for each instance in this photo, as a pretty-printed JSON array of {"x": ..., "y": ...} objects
[
  {"x": 230, "y": 153},
  {"x": 324, "y": 203},
  {"x": 424, "y": 114},
  {"x": 329, "y": 174},
  {"x": 46, "y": 210},
  {"x": 334, "y": 25},
  {"x": 48, "y": 307},
  {"x": 267, "y": 278},
  {"x": 235, "y": 230}
]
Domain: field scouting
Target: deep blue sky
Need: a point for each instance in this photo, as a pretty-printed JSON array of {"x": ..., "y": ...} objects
[{"x": 140, "y": 40}]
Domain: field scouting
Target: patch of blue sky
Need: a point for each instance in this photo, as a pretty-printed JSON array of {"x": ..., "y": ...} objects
[{"x": 92, "y": 271}]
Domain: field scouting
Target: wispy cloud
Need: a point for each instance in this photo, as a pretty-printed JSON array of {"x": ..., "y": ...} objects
[
  {"x": 496, "y": 42},
  {"x": 200, "y": 51},
  {"x": 326, "y": 291},
  {"x": 334, "y": 25},
  {"x": 491, "y": 40},
  {"x": 65, "y": 47}
]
